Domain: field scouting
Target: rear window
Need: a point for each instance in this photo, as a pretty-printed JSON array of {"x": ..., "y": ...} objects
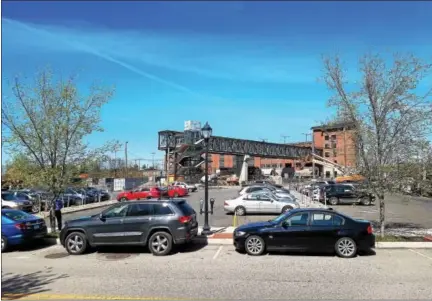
[
  {"x": 185, "y": 208},
  {"x": 16, "y": 215}
]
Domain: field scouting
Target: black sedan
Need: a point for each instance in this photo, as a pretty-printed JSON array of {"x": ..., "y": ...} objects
[{"x": 308, "y": 229}]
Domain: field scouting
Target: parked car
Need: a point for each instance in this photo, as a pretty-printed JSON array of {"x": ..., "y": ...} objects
[
  {"x": 280, "y": 192},
  {"x": 96, "y": 193},
  {"x": 74, "y": 197},
  {"x": 177, "y": 191},
  {"x": 259, "y": 202},
  {"x": 19, "y": 227},
  {"x": 138, "y": 194},
  {"x": 346, "y": 194},
  {"x": 153, "y": 223},
  {"x": 11, "y": 201},
  {"x": 189, "y": 187},
  {"x": 307, "y": 229}
]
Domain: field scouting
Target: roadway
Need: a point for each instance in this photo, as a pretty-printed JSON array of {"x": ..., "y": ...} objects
[
  {"x": 402, "y": 211},
  {"x": 214, "y": 273}
]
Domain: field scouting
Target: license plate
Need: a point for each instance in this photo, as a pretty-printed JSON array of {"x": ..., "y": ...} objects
[{"x": 36, "y": 226}]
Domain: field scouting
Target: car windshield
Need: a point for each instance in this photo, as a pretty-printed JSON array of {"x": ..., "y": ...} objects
[
  {"x": 279, "y": 219},
  {"x": 16, "y": 215}
]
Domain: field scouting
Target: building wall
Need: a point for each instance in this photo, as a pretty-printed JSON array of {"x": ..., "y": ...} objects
[{"x": 338, "y": 145}]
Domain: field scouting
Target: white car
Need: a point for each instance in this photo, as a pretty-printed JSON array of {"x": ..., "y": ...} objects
[
  {"x": 259, "y": 203},
  {"x": 189, "y": 187},
  {"x": 281, "y": 193},
  {"x": 10, "y": 201}
]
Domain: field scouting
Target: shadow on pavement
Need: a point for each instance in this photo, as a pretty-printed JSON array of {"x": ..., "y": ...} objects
[
  {"x": 16, "y": 286},
  {"x": 313, "y": 254},
  {"x": 193, "y": 246},
  {"x": 32, "y": 246}
]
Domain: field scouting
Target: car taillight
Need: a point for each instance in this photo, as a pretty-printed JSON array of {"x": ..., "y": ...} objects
[
  {"x": 185, "y": 219},
  {"x": 20, "y": 226},
  {"x": 369, "y": 229}
]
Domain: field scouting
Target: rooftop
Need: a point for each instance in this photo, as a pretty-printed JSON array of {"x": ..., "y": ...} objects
[{"x": 335, "y": 125}]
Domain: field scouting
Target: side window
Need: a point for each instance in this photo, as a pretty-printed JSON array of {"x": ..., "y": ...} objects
[
  {"x": 117, "y": 211},
  {"x": 337, "y": 220},
  {"x": 300, "y": 219},
  {"x": 264, "y": 197},
  {"x": 145, "y": 189},
  {"x": 140, "y": 210},
  {"x": 162, "y": 209},
  {"x": 321, "y": 219},
  {"x": 253, "y": 189},
  {"x": 251, "y": 197}
]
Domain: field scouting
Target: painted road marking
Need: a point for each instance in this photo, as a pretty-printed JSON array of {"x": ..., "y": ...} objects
[
  {"x": 217, "y": 252},
  {"x": 421, "y": 254}
]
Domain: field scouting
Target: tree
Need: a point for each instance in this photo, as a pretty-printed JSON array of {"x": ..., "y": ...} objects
[
  {"x": 390, "y": 112},
  {"x": 20, "y": 171},
  {"x": 47, "y": 121}
]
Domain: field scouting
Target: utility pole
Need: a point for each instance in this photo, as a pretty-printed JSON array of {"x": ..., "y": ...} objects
[
  {"x": 153, "y": 154},
  {"x": 284, "y": 138},
  {"x": 126, "y": 159},
  {"x": 306, "y": 136}
]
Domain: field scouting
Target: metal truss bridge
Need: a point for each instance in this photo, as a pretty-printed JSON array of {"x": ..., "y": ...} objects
[{"x": 172, "y": 140}]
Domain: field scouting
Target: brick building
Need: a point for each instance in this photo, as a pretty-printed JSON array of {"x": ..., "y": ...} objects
[{"x": 335, "y": 141}]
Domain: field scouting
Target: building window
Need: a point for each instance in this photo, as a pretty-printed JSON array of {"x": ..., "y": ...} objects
[
  {"x": 326, "y": 137},
  {"x": 222, "y": 161},
  {"x": 327, "y": 174},
  {"x": 333, "y": 137},
  {"x": 335, "y": 161},
  {"x": 326, "y": 154}
]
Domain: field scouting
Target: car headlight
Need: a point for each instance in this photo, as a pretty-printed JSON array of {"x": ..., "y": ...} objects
[{"x": 239, "y": 233}]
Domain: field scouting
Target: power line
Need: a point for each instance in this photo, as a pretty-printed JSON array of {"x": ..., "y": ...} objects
[{"x": 284, "y": 138}]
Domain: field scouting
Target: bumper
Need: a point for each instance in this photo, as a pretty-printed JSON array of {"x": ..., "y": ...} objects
[
  {"x": 239, "y": 243},
  {"x": 185, "y": 235},
  {"x": 366, "y": 243},
  {"x": 27, "y": 237}
]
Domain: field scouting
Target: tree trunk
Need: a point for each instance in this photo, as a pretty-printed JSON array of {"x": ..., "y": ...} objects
[{"x": 382, "y": 214}]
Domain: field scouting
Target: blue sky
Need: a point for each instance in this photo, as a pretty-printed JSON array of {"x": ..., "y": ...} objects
[{"x": 249, "y": 68}]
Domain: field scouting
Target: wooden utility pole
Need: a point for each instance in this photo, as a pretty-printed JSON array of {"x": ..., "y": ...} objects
[
  {"x": 306, "y": 136},
  {"x": 126, "y": 159},
  {"x": 284, "y": 138}
]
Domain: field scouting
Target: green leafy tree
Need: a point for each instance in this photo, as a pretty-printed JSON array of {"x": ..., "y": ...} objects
[
  {"x": 47, "y": 119},
  {"x": 391, "y": 114}
]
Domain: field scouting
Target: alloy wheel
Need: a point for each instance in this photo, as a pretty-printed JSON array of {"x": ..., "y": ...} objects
[
  {"x": 159, "y": 244},
  {"x": 346, "y": 247},
  {"x": 75, "y": 244},
  {"x": 254, "y": 246},
  {"x": 240, "y": 211}
]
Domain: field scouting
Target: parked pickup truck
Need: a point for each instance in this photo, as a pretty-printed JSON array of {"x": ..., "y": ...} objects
[{"x": 189, "y": 187}]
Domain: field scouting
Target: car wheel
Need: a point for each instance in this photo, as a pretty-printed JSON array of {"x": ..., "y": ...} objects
[
  {"x": 254, "y": 245},
  {"x": 287, "y": 208},
  {"x": 365, "y": 201},
  {"x": 240, "y": 210},
  {"x": 76, "y": 243},
  {"x": 160, "y": 243},
  {"x": 123, "y": 199},
  {"x": 190, "y": 189},
  {"x": 346, "y": 247},
  {"x": 4, "y": 244},
  {"x": 35, "y": 209},
  {"x": 334, "y": 201}
]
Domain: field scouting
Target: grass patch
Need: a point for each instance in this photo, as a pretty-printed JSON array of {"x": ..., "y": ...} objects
[{"x": 394, "y": 238}]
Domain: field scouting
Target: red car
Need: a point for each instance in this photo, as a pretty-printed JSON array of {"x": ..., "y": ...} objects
[
  {"x": 137, "y": 194},
  {"x": 177, "y": 191}
]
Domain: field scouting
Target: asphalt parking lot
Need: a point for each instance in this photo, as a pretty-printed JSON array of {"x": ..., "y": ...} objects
[
  {"x": 215, "y": 273},
  {"x": 402, "y": 211}
]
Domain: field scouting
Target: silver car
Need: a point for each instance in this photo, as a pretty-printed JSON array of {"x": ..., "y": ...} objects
[
  {"x": 259, "y": 203},
  {"x": 279, "y": 192}
]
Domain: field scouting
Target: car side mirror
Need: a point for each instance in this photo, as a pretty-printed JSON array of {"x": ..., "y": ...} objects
[
  {"x": 102, "y": 217},
  {"x": 285, "y": 224}
]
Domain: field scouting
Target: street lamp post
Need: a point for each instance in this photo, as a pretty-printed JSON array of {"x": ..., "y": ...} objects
[{"x": 206, "y": 132}]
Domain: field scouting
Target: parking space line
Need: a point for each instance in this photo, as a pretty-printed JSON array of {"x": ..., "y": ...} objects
[
  {"x": 421, "y": 254},
  {"x": 217, "y": 252}
]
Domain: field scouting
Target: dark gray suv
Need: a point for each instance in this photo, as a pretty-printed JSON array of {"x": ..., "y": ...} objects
[{"x": 156, "y": 223}]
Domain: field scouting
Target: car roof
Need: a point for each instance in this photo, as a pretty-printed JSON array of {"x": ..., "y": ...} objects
[{"x": 172, "y": 201}]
